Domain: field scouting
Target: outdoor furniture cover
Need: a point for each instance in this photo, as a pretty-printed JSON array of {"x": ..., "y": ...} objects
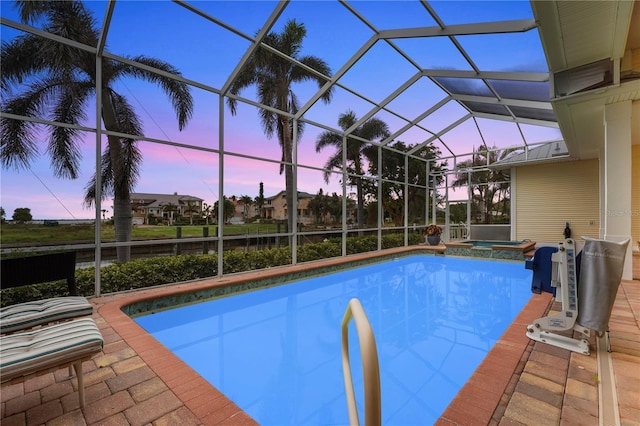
[
  {"x": 26, "y": 315},
  {"x": 47, "y": 348},
  {"x": 600, "y": 274}
]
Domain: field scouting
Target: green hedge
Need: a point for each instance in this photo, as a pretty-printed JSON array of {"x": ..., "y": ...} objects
[{"x": 149, "y": 272}]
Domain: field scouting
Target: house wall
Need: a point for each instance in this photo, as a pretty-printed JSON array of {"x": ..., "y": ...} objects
[
  {"x": 279, "y": 211},
  {"x": 635, "y": 196},
  {"x": 548, "y": 195}
]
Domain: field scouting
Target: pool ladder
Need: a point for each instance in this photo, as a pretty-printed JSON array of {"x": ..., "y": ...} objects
[{"x": 370, "y": 368}]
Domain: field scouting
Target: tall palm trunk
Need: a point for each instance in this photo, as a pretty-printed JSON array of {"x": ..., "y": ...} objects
[
  {"x": 123, "y": 222},
  {"x": 122, "y": 219},
  {"x": 287, "y": 149}
]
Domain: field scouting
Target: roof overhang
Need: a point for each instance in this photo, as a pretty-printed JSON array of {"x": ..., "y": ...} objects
[{"x": 579, "y": 36}]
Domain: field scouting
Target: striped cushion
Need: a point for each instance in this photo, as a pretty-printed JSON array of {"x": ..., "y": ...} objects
[
  {"x": 27, "y": 315},
  {"x": 29, "y": 352}
]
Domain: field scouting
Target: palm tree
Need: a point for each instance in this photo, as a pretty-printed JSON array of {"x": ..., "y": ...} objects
[
  {"x": 371, "y": 129},
  {"x": 273, "y": 76},
  {"x": 191, "y": 208},
  {"x": 61, "y": 81},
  {"x": 246, "y": 202},
  {"x": 170, "y": 208}
]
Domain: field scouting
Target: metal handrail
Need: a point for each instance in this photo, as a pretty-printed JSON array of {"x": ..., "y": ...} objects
[{"x": 370, "y": 368}]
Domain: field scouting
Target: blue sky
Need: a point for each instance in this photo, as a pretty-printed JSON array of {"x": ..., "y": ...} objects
[{"x": 208, "y": 53}]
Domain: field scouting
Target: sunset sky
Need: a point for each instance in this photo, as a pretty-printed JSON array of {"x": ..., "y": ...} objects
[{"x": 208, "y": 53}]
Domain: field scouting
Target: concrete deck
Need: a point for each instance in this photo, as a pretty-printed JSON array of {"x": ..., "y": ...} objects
[{"x": 136, "y": 381}]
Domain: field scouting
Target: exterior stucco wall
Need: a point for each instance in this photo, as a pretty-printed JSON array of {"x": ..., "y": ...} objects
[{"x": 549, "y": 195}]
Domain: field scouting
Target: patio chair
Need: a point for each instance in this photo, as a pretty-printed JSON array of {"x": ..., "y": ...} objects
[
  {"x": 27, "y": 315},
  {"x": 48, "y": 349}
]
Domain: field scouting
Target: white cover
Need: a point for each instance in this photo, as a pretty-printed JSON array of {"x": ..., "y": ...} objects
[{"x": 600, "y": 274}]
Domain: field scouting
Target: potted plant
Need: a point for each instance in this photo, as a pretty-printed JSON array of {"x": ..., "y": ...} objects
[{"x": 432, "y": 234}]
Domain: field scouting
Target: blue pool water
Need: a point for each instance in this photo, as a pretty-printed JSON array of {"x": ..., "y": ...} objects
[{"x": 276, "y": 352}]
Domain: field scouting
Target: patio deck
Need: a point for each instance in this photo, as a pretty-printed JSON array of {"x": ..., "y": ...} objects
[{"x": 135, "y": 381}]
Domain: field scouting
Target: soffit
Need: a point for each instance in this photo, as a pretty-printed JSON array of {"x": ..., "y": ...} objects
[{"x": 577, "y": 33}]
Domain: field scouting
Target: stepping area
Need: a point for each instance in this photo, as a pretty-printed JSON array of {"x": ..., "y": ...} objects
[{"x": 134, "y": 380}]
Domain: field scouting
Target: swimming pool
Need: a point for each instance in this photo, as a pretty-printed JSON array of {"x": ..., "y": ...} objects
[{"x": 276, "y": 352}]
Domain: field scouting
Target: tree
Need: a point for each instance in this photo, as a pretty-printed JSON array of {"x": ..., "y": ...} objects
[
  {"x": 318, "y": 208},
  {"x": 39, "y": 74},
  {"x": 372, "y": 129},
  {"x": 458, "y": 212},
  {"x": 334, "y": 207},
  {"x": 260, "y": 199},
  {"x": 394, "y": 171},
  {"x": 273, "y": 76},
  {"x": 169, "y": 208},
  {"x": 207, "y": 212},
  {"x": 191, "y": 208},
  {"x": 489, "y": 186},
  {"x": 22, "y": 215},
  {"x": 246, "y": 203},
  {"x": 228, "y": 212},
  {"x": 3, "y": 215}
]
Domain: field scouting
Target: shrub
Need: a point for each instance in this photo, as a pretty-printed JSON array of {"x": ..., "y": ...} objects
[{"x": 150, "y": 272}]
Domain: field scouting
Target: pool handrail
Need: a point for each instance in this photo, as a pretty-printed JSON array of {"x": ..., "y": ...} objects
[{"x": 370, "y": 368}]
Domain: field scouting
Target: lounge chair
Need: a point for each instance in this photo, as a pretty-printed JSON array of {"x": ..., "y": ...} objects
[
  {"x": 27, "y": 315},
  {"x": 50, "y": 348}
]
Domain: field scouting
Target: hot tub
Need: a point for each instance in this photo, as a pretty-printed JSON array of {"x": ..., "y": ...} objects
[{"x": 513, "y": 250}]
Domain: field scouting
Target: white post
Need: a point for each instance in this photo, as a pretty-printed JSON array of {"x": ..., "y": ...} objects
[
  {"x": 616, "y": 211},
  {"x": 513, "y": 196}
]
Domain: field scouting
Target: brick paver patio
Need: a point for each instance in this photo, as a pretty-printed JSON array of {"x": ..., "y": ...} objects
[{"x": 135, "y": 381}]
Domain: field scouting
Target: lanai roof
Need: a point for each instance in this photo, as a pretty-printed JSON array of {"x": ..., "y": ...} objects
[{"x": 457, "y": 75}]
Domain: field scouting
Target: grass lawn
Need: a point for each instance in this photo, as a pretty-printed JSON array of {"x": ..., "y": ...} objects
[{"x": 14, "y": 234}]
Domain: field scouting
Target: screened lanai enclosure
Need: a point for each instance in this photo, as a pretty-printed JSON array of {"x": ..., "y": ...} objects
[{"x": 374, "y": 118}]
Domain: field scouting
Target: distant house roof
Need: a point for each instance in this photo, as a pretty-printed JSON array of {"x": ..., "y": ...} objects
[
  {"x": 301, "y": 194},
  {"x": 159, "y": 200},
  {"x": 551, "y": 151}
]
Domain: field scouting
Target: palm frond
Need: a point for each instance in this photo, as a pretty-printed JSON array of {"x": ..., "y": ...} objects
[
  {"x": 106, "y": 180},
  {"x": 32, "y": 10},
  {"x": 17, "y": 145},
  {"x": 63, "y": 146},
  {"x": 127, "y": 119},
  {"x": 18, "y": 137},
  {"x": 245, "y": 78},
  {"x": 177, "y": 91},
  {"x": 130, "y": 155},
  {"x": 300, "y": 74},
  {"x": 20, "y": 59},
  {"x": 291, "y": 38}
]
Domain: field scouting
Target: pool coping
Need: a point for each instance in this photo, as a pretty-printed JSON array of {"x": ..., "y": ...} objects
[
  {"x": 474, "y": 404},
  {"x": 525, "y": 246}
]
